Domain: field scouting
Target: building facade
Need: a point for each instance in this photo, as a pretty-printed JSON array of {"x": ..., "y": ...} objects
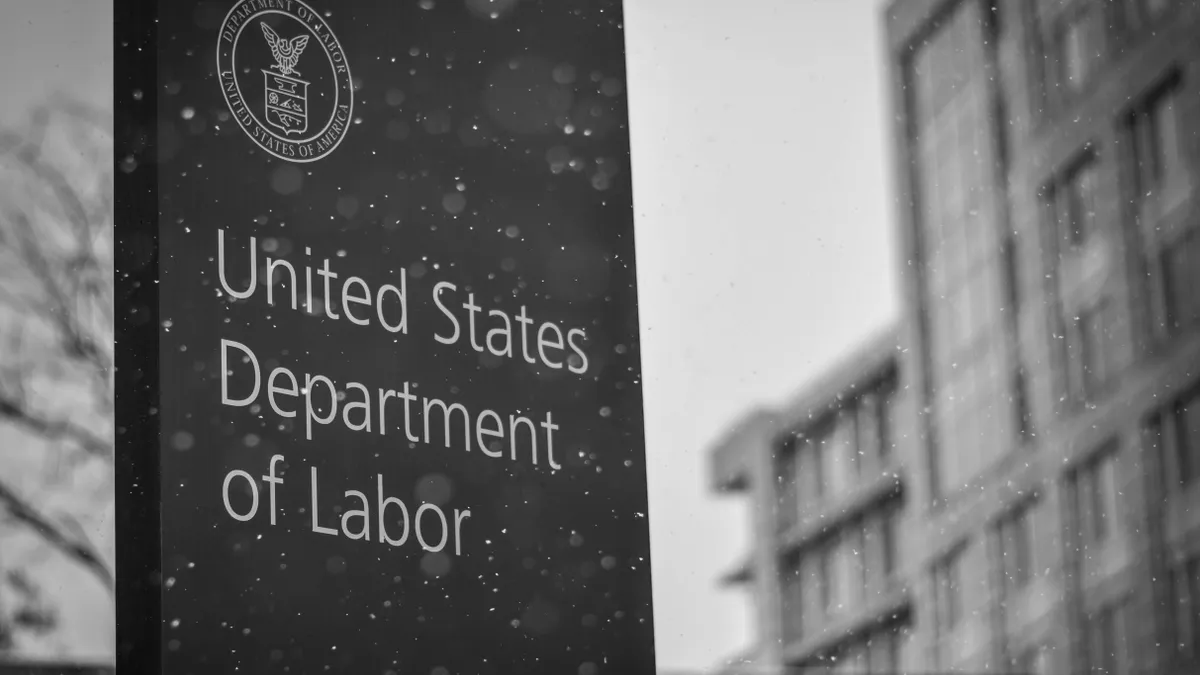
[
  {"x": 826, "y": 473},
  {"x": 1048, "y": 155}
]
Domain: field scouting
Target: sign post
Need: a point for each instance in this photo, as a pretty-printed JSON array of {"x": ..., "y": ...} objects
[{"x": 379, "y": 387}]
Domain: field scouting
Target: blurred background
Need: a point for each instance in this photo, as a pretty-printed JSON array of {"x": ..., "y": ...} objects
[
  {"x": 920, "y": 301},
  {"x": 56, "y": 331}
]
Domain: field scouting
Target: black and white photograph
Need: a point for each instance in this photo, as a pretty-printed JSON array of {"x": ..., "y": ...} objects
[{"x": 600, "y": 337}]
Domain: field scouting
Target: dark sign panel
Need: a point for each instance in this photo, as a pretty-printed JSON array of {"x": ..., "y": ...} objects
[{"x": 399, "y": 406}]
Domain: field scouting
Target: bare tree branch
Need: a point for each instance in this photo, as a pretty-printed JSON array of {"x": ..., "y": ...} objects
[
  {"x": 56, "y": 324},
  {"x": 50, "y": 429},
  {"x": 76, "y": 342},
  {"x": 55, "y": 535}
]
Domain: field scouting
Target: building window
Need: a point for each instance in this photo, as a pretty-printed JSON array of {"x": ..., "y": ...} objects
[
  {"x": 1012, "y": 281},
  {"x": 890, "y": 554},
  {"x": 827, "y": 570},
  {"x": 879, "y": 538},
  {"x": 850, "y": 442},
  {"x": 814, "y": 597},
  {"x": 1106, "y": 640},
  {"x": 1187, "y": 437},
  {"x": 867, "y": 427},
  {"x": 1095, "y": 493},
  {"x": 875, "y": 420},
  {"x": 887, "y": 420},
  {"x": 786, "y": 475},
  {"x": 1181, "y": 282},
  {"x": 793, "y": 596},
  {"x": 1012, "y": 285},
  {"x": 1075, "y": 202},
  {"x": 1080, "y": 46},
  {"x": 1092, "y": 350},
  {"x": 1173, "y": 434},
  {"x": 1163, "y": 186},
  {"x": 1158, "y": 143},
  {"x": 839, "y": 455},
  {"x": 947, "y": 591},
  {"x": 847, "y": 573},
  {"x": 862, "y": 534},
  {"x": 811, "y": 477},
  {"x": 1016, "y": 548},
  {"x": 1091, "y": 345},
  {"x": 1023, "y": 415}
]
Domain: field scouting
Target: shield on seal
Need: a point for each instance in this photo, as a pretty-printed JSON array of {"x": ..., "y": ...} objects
[{"x": 286, "y": 102}]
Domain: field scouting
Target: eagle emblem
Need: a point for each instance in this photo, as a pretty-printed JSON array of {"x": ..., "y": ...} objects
[
  {"x": 275, "y": 112},
  {"x": 286, "y": 52}
]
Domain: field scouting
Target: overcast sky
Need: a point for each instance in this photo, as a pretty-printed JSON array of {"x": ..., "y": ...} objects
[
  {"x": 762, "y": 186},
  {"x": 764, "y": 241}
]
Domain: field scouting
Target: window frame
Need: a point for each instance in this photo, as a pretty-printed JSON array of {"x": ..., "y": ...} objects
[
  {"x": 887, "y": 399},
  {"x": 1096, "y": 526},
  {"x": 1146, "y": 125},
  {"x": 1095, "y": 359},
  {"x": 948, "y": 593},
  {"x": 1079, "y": 176},
  {"x": 1159, "y": 202}
]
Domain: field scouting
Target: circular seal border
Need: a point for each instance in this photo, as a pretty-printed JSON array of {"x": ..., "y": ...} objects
[{"x": 226, "y": 62}]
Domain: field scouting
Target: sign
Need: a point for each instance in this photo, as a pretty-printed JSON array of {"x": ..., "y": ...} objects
[{"x": 393, "y": 342}]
